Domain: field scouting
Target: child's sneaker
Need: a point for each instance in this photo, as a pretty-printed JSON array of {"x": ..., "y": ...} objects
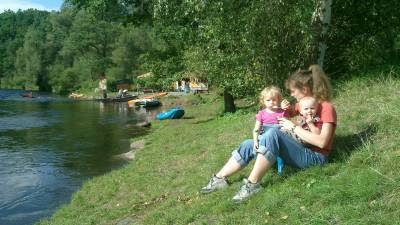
[
  {"x": 247, "y": 190},
  {"x": 214, "y": 184}
]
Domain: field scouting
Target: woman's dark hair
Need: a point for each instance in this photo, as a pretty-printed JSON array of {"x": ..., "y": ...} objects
[{"x": 314, "y": 79}]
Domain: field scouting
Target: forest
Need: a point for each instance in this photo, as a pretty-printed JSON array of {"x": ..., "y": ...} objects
[{"x": 238, "y": 46}]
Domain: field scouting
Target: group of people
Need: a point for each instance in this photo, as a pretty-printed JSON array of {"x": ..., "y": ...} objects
[
  {"x": 300, "y": 144},
  {"x": 182, "y": 86}
]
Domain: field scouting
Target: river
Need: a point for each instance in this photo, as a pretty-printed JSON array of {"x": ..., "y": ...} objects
[{"x": 49, "y": 145}]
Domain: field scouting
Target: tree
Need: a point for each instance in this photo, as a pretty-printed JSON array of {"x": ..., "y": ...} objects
[
  {"x": 13, "y": 27},
  {"x": 362, "y": 35},
  {"x": 128, "y": 48},
  {"x": 103, "y": 10},
  {"x": 262, "y": 42},
  {"x": 91, "y": 39},
  {"x": 28, "y": 64},
  {"x": 320, "y": 21}
]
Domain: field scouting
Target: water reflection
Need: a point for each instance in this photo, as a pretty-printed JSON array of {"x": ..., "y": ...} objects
[{"x": 49, "y": 147}]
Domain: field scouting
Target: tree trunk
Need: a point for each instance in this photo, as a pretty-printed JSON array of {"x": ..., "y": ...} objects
[
  {"x": 320, "y": 21},
  {"x": 229, "y": 102}
]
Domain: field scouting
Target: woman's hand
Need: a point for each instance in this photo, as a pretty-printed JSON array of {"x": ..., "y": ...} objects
[
  {"x": 286, "y": 124},
  {"x": 285, "y": 104}
]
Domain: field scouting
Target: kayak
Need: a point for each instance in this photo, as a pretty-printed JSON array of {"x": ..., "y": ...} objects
[
  {"x": 146, "y": 103},
  {"x": 76, "y": 96},
  {"x": 149, "y": 103},
  {"x": 173, "y": 113},
  {"x": 123, "y": 99},
  {"x": 157, "y": 95},
  {"x": 27, "y": 95}
]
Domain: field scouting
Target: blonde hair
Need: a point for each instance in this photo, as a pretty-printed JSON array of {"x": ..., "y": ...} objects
[
  {"x": 314, "y": 79},
  {"x": 308, "y": 99},
  {"x": 270, "y": 91}
]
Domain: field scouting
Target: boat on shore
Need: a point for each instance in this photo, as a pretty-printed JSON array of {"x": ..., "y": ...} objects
[
  {"x": 144, "y": 102},
  {"x": 123, "y": 99},
  {"x": 156, "y": 95},
  {"x": 77, "y": 96},
  {"x": 173, "y": 113}
]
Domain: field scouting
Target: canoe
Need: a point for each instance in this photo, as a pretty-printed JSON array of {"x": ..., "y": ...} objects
[
  {"x": 161, "y": 94},
  {"x": 157, "y": 95},
  {"x": 27, "y": 95},
  {"x": 76, "y": 96},
  {"x": 149, "y": 103},
  {"x": 173, "y": 113},
  {"x": 124, "y": 99},
  {"x": 146, "y": 103}
]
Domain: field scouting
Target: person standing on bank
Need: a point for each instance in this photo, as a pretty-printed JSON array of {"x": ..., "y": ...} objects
[
  {"x": 103, "y": 86},
  {"x": 275, "y": 142}
]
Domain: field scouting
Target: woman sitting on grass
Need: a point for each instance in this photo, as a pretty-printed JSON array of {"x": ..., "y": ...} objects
[{"x": 275, "y": 142}]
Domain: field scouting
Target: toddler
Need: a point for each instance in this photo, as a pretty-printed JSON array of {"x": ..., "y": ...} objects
[
  {"x": 308, "y": 118},
  {"x": 270, "y": 99}
]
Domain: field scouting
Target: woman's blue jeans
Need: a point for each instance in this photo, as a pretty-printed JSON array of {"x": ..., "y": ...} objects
[{"x": 273, "y": 143}]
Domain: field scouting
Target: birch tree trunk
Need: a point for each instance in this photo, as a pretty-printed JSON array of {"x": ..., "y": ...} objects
[{"x": 321, "y": 20}]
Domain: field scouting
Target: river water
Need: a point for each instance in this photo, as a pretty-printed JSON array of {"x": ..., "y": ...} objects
[{"x": 49, "y": 145}]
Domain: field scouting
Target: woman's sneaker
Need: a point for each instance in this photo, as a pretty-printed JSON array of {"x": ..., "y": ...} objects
[
  {"x": 214, "y": 184},
  {"x": 246, "y": 190}
]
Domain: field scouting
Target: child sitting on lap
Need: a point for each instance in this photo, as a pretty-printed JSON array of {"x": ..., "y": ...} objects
[{"x": 308, "y": 118}]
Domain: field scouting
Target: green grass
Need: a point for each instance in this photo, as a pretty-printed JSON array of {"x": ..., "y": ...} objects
[{"x": 361, "y": 184}]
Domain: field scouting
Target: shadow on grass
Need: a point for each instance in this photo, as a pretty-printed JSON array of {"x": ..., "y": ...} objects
[
  {"x": 204, "y": 120},
  {"x": 345, "y": 145},
  {"x": 187, "y": 117}
]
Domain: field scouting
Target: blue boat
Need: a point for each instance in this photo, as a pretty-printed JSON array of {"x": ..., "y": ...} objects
[{"x": 173, "y": 113}]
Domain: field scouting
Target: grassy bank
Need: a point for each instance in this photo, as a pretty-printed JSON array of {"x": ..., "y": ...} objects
[{"x": 359, "y": 186}]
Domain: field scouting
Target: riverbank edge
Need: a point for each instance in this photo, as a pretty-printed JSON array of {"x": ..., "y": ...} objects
[{"x": 359, "y": 185}]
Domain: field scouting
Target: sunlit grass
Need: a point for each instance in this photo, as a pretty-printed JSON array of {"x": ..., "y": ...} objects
[{"x": 361, "y": 184}]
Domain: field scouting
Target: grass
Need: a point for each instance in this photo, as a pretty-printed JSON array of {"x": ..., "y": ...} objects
[{"x": 361, "y": 184}]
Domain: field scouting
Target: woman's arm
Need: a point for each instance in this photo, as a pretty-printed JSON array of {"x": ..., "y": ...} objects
[
  {"x": 310, "y": 123},
  {"x": 319, "y": 140},
  {"x": 314, "y": 129}
]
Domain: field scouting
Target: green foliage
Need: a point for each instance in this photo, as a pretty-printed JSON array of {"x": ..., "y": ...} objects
[
  {"x": 261, "y": 43},
  {"x": 127, "y": 56},
  {"x": 362, "y": 35},
  {"x": 237, "y": 45},
  {"x": 155, "y": 83},
  {"x": 86, "y": 53},
  {"x": 13, "y": 27},
  {"x": 104, "y": 10},
  {"x": 31, "y": 60},
  {"x": 28, "y": 62}
]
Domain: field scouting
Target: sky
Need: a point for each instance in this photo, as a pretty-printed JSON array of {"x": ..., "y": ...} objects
[{"x": 14, "y": 5}]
